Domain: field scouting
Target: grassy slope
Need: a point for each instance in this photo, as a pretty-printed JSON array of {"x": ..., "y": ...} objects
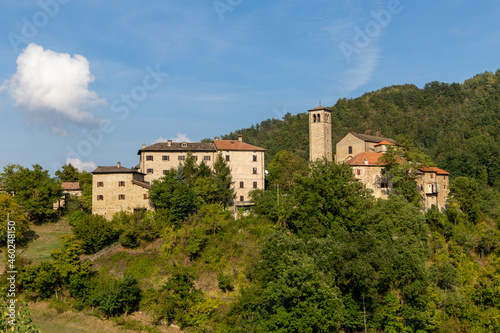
[{"x": 46, "y": 240}]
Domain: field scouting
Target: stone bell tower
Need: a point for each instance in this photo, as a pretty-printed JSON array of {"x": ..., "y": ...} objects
[{"x": 320, "y": 133}]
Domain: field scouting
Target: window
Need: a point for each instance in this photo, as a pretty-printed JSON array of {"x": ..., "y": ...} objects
[
  {"x": 358, "y": 172},
  {"x": 184, "y": 144},
  {"x": 206, "y": 157},
  {"x": 145, "y": 195},
  {"x": 165, "y": 158},
  {"x": 255, "y": 158},
  {"x": 165, "y": 172},
  {"x": 181, "y": 157},
  {"x": 242, "y": 198},
  {"x": 254, "y": 184},
  {"x": 121, "y": 196},
  {"x": 242, "y": 184},
  {"x": 195, "y": 158},
  {"x": 314, "y": 117},
  {"x": 384, "y": 185},
  {"x": 319, "y": 118},
  {"x": 227, "y": 158},
  {"x": 121, "y": 184},
  {"x": 150, "y": 171},
  {"x": 100, "y": 197},
  {"x": 432, "y": 176},
  {"x": 254, "y": 171},
  {"x": 350, "y": 149},
  {"x": 149, "y": 157},
  {"x": 100, "y": 184}
]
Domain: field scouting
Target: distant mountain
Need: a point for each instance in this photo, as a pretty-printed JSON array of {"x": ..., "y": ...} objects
[{"x": 458, "y": 125}]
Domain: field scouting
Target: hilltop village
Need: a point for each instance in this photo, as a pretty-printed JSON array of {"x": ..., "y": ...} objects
[{"x": 116, "y": 188}]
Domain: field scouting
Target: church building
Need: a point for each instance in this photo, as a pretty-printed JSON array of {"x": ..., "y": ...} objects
[{"x": 362, "y": 153}]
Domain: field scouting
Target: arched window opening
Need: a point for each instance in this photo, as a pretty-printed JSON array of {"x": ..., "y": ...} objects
[
  {"x": 314, "y": 117},
  {"x": 319, "y": 118},
  {"x": 350, "y": 149}
]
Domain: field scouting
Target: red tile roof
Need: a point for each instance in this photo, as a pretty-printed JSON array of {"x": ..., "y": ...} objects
[
  {"x": 235, "y": 145},
  {"x": 75, "y": 186},
  {"x": 434, "y": 169},
  {"x": 371, "y": 159},
  {"x": 384, "y": 143}
]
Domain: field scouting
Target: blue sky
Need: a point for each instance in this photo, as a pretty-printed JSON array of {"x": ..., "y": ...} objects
[{"x": 90, "y": 81}]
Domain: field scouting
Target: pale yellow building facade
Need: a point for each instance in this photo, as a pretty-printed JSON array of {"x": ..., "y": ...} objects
[
  {"x": 115, "y": 189},
  {"x": 245, "y": 161}
]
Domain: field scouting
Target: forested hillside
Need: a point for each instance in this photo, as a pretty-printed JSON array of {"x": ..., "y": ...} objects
[{"x": 458, "y": 125}]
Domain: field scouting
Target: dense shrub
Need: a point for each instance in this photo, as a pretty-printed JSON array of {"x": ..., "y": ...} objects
[{"x": 95, "y": 233}]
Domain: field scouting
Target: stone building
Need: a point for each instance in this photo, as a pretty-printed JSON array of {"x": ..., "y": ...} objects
[
  {"x": 362, "y": 153},
  {"x": 434, "y": 186},
  {"x": 246, "y": 162},
  {"x": 353, "y": 144},
  {"x": 366, "y": 169},
  {"x": 115, "y": 189},
  {"x": 320, "y": 133}
]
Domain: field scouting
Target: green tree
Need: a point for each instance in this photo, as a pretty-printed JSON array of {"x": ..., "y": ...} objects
[
  {"x": 10, "y": 210},
  {"x": 34, "y": 189},
  {"x": 172, "y": 195},
  {"x": 85, "y": 182},
  {"x": 464, "y": 191},
  {"x": 95, "y": 233},
  {"x": 68, "y": 173},
  {"x": 327, "y": 199},
  {"x": 284, "y": 167},
  {"x": 223, "y": 181}
]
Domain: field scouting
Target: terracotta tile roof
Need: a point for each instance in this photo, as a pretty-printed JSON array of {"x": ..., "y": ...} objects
[
  {"x": 371, "y": 138},
  {"x": 235, "y": 145},
  {"x": 113, "y": 169},
  {"x": 319, "y": 108},
  {"x": 434, "y": 169},
  {"x": 384, "y": 143},
  {"x": 359, "y": 160},
  {"x": 178, "y": 146},
  {"x": 70, "y": 186}
]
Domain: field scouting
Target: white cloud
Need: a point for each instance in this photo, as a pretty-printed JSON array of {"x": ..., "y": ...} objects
[
  {"x": 180, "y": 137},
  {"x": 53, "y": 89},
  {"x": 81, "y": 166}
]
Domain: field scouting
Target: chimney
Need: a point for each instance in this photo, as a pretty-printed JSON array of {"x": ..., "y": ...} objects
[
  {"x": 240, "y": 138},
  {"x": 118, "y": 165},
  {"x": 365, "y": 162},
  {"x": 143, "y": 145},
  {"x": 169, "y": 143},
  {"x": 216, "y": 138}
]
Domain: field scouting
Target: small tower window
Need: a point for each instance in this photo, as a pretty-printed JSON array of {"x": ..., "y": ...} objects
[
  {"x": 314, "y": 117},
  {"x": 350, "y": 149},
  {"x": 319, "y": 119}
]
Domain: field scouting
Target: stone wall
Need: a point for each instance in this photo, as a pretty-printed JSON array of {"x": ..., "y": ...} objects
[
  {"x": 136, "y": 196},
  {"x": 320, "y": 135},
  {"x": 342, "y": 148}
]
